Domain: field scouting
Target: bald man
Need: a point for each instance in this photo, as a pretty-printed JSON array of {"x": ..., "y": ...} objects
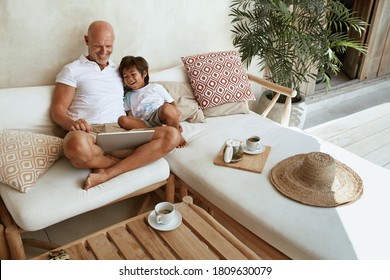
[{"x": 87, "y": 99}]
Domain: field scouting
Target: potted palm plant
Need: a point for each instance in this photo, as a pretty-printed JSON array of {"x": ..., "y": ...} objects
[{"x": 294, "y": 40}]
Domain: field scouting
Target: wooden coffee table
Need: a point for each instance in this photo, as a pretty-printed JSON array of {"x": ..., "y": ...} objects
[{"x": 199, "y": 237}]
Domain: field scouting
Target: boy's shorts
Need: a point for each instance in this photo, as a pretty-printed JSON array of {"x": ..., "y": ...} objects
[{"x": 154, "y": 120}]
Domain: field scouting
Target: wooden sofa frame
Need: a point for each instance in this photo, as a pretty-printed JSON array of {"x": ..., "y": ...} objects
[{"x": 278, "y": 89}]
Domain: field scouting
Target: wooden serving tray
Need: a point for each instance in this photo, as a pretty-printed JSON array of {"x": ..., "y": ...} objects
[{"x": 252, "y": 163}]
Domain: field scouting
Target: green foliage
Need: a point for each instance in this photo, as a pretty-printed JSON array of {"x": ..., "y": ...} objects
[{"x": 295, "y": 39}]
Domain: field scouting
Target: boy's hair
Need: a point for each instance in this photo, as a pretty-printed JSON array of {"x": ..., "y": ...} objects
[{"x": 138, "y": 62}]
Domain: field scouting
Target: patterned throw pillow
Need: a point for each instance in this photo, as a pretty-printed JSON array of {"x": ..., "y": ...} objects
[
  {"x": 24, "y": 156},
  {"x": 217, "y": 78}
]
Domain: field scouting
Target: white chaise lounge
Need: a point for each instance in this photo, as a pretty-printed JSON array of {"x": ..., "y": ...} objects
[{"x": 274, "y": 224}]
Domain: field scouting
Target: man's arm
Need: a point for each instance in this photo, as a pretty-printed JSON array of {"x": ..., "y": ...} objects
[{"x": 62, "y": 98}]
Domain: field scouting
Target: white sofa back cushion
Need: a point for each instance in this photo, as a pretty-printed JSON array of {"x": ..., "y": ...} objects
[{"x": 27, "y": 109}]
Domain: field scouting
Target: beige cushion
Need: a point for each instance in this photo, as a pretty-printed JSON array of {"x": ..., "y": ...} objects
[
  {"x": 227, "y": 109},
  {"x": 24, "y": 156},
  {"x": 181, "y": 92},
  {"x": 217, "y": 78}
]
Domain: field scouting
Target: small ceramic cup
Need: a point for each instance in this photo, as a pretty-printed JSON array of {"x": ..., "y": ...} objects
[
  {"x": 165, "y": 212},
  {"x": 253, "y": 143}
]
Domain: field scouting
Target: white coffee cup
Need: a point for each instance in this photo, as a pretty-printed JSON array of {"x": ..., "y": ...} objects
[
  {"x": 165, "y": 212},
  {"x": 253, "y": 143}
]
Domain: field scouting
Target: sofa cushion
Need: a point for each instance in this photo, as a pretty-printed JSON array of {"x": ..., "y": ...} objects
[
  {"x": 227, "y": 109},
  {"x": 217, "y": 78},
  {"x": 172, "y": 74},
  {"x": 181, "y": 92},
  {"x": 59, "y": 194},
  {"x": 32, "y": 111},
  {"x": 355, "y": 231},
  {"x": 24, "y": 156}
]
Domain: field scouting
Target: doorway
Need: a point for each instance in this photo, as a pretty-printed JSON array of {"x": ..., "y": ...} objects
[{"x": 376, "y": 63}]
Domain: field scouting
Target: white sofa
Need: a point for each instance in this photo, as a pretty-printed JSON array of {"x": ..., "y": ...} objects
[
  {"x": 254, "y": 209},
  {"x": 58, "y": 193}
]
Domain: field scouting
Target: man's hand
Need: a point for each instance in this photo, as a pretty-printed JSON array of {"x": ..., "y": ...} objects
[{"x": 80, "y": 124}]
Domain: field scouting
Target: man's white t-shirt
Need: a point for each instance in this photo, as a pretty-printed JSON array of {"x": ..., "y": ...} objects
[
  {"x": 99, "y": 93},
  {"x": 143, "y": 102}
]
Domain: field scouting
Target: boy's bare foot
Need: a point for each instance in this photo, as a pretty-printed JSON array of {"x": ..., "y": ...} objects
[{"x": 183, "y": 142}]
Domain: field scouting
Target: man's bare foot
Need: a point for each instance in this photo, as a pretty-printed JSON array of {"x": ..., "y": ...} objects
[{"x": 98, "y": 176}]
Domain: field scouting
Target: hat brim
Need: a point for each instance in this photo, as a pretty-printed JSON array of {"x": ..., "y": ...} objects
[{"x": 347, "y": 186}]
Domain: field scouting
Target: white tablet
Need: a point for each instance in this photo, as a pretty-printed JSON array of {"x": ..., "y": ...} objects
[{"x": 124, "y": 140}]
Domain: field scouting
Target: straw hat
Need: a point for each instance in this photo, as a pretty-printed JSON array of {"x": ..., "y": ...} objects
[{"x": 316, "y": 179}]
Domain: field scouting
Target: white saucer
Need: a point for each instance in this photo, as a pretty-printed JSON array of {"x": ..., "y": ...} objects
[
  {"x": 255, "y": 152},
  {"x": 171, "y": 226}
]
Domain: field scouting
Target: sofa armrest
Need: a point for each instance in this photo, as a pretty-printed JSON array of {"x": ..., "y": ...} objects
[{"x": 288, "y": 92}]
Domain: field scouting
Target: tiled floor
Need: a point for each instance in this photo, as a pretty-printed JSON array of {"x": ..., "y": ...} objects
[
  {"x": 365, "y": 133},
  {"x": 360, "y": 96},
  {"x": 346, "y": 100}
]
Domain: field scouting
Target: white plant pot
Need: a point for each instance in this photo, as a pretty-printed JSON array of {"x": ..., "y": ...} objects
[{"x": 298, "y": 111}]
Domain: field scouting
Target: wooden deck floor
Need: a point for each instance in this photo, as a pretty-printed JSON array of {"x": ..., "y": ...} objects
[{"x": 365, "y": 133}]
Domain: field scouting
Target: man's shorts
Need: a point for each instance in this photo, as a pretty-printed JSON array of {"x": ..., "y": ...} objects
[
  {"x": 106, "y": 127},
  {"x": 110, "y": 127}
]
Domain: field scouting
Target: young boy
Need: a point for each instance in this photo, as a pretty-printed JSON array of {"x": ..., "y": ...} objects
[{"x": 150, "y": 104}]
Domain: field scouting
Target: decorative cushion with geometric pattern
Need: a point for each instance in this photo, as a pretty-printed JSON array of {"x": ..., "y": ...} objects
[
  {"x": 217, "y": 78},
  {"x": 24, "y": 156}
]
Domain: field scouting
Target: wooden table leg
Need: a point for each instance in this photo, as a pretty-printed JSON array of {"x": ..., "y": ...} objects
[
  {"x": 15, "y": 243},
  {"x": 5, "y": 217},
  {"x": 4, "y": 251},
  {"x": 170, "y": 189},
  {"x": 144, "y": 204},
  {"x": 183, "y": 192}
]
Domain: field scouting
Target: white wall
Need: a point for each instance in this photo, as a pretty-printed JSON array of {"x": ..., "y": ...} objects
[{"x": 38, "y": 37}]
